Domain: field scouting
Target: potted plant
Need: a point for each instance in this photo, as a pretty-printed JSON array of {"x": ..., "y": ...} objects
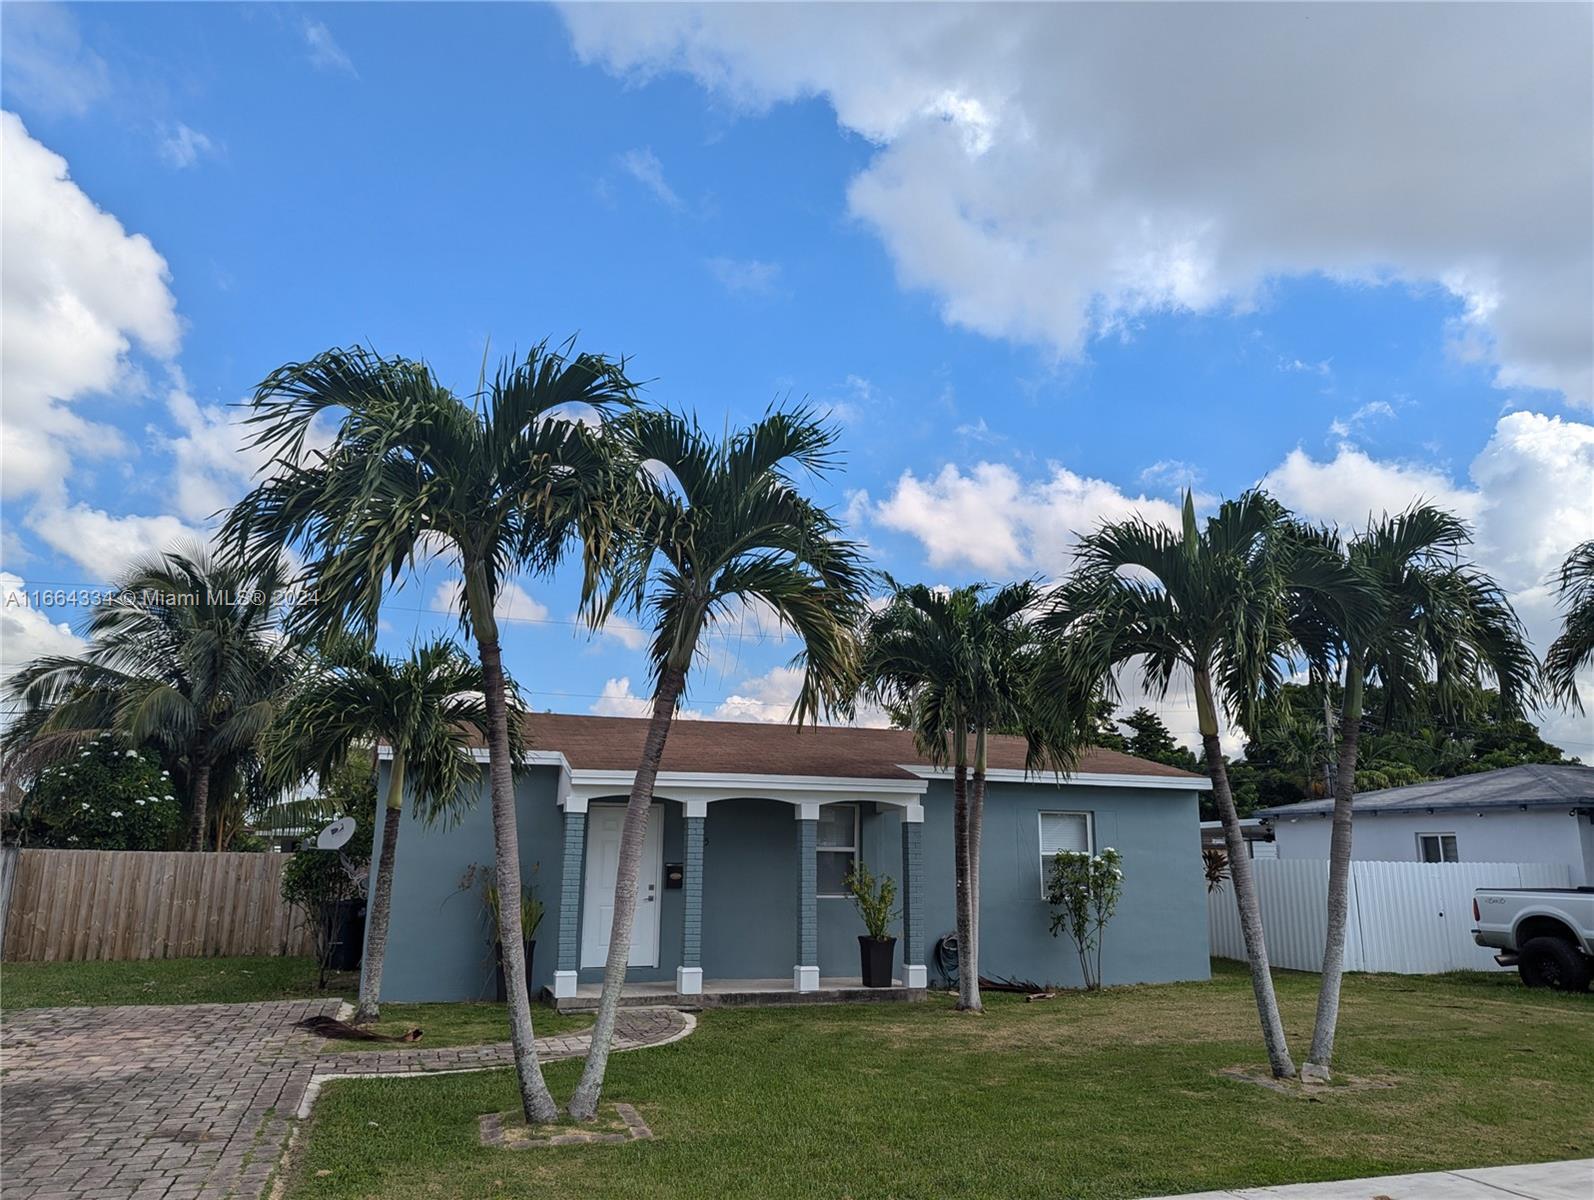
[
  {"x": 531, "y": 911},
  {"x": 874, "y": 898}
]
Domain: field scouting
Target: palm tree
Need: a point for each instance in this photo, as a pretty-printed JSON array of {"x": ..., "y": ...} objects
[
  {"x": 1208, "y": 603},
  {"x": 424, "y": 708},
  {"x": 1573, "y": 651},
  {"x": 1418, "y": 613},
  {"x": 730, "y": 525},
  {"x": 506, "y": 480},
  {"x": 953, "y": 665},
  {"x": 184, "y": 656}
]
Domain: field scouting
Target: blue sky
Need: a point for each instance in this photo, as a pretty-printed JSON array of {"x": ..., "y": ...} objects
[{"x": 1028, "y": 305}]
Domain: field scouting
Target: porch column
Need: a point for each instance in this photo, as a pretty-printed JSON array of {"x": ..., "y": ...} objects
[
  {"x": 575, "y": 841},
  {"x": 913, "y": 973},
  {"x": 689, "y": 975},
  {"x": 805, "y": 975}
]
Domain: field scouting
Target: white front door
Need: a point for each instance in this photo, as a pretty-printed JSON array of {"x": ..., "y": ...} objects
[{"x": 604, "y": 822}]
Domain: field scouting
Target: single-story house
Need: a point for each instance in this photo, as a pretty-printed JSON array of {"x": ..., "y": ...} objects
[
  {"x": 1537, "y": 813},
  {"x": 754, "y": 827}
]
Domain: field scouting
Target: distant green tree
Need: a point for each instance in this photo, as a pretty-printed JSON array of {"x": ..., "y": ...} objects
[
  {"x": 184, "y": 660},
  {"x": 1104, "y": 731},
  {"x": 1396, "y": 747},
  {"x": 1152, "y": 740}
]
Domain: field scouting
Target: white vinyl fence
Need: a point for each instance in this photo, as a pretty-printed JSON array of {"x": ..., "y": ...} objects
[{"x": 1407, "y": 918}]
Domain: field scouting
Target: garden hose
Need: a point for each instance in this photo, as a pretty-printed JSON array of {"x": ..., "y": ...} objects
[{"x": 946, "y": 959}]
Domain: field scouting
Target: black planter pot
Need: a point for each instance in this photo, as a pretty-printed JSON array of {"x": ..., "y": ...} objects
[
  {"x": 345, "y": 922},
  {"x": 501, "y": 989},
  {"x": 877, "y": 955}
]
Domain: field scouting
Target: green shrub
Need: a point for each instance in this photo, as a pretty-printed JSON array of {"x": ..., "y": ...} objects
[
  {"x": 1083, "y": 889},
  {"x": 316, "y": 877},
  {"x": 105, "y": 797},
  {"x": 875, "y": 899},
  {"x": 314, "y": 880},
  {"x": 531, "y": 908}
]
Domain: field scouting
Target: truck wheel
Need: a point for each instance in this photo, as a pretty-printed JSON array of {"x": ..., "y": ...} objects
[{"x": 1553, "y": 963}]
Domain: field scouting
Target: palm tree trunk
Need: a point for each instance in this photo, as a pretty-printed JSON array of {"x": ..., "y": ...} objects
[
  {"x": 1339, "y": 860},
  {"x": 369, "y": 1008},
  {"x": 535, "y": 1100},
  {"x": 199, "y": 792},
  {"x": 1328, "y": 735},
  {"x": 968, "y": 987},
  {"x": 971, "y": 997},
  {"x": 1267, "y": 1005},
  {"x": 584, "y": 1104}
]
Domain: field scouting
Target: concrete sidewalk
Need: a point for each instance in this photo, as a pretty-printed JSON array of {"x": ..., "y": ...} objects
[{"x": 1534, "y": 1181}]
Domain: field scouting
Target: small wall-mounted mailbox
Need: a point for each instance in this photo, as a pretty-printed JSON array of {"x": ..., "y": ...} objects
[{"x": 674, "y": 875}]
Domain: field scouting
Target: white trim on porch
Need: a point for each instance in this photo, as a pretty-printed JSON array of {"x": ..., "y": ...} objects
[{"x": 693, "y": 788}]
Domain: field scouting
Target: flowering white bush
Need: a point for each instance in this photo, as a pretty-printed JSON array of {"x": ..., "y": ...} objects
[
  {"x": 1083, "y": 890},
  {"x": 105, "y": 798}
]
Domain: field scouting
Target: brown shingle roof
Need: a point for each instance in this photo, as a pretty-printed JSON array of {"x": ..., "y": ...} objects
[{"x": 752, "y": 748}]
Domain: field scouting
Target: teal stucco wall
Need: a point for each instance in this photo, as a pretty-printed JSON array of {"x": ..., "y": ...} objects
[{"x": 439, "y": 947}]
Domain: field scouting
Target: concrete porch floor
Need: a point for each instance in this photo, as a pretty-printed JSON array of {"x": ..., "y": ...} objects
[{"x": 733, "y": 993}]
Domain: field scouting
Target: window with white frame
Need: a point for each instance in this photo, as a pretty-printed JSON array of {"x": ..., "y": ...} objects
[
  {"x": 1062, "y": 831},
  {"x": 838, "y": 847},
  {"x": 1436, "y": 847}
]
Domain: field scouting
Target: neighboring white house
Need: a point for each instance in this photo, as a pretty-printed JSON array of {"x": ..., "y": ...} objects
[{"x": 1529, "y": 814}]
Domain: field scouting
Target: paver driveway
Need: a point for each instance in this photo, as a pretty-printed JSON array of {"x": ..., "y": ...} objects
[{"x": 192, "y": 1100}]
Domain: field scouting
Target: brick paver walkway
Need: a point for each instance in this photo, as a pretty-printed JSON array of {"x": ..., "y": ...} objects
[{"x": 194, "y": 1101}]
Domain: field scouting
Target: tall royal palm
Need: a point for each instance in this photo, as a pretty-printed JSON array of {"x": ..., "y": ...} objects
[
  {"x": 1419, "y": 620},
  {"x": 424, "y": 708},
  {"x": 723, "y": 523},
  {"x": 503, "y": 481},
  {"x": 1205, "y": 603},
  {"x": 954, "y": 666},
  {"x": 1573, "y": 650},
  {"x": 184, "y": 656}
]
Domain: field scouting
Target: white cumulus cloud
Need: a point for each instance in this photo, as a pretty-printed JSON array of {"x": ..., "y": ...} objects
[
  {"x": 1053, "y": 172},
  {"x": 77, "y": 292},
  {"x": 617, "y": 700},
  {"x": 514, "y": 602},
  {"x": 992, "y": 520},
  {"x": 25, "y": 632},
  {"x": 105, "y": 544},
  {"x": 1529, "y": 497}
]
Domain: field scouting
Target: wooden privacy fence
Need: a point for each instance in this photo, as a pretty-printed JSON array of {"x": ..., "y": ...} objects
[
  {"x": 81, "y": 905},
  {"x": 1406, "y": 918}
]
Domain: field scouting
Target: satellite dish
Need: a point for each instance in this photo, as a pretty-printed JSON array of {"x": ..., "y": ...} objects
[{"x": 336, "y": 834}]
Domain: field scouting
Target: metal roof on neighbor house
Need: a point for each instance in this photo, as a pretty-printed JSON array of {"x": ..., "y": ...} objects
[
  {"x": 1533, "y": 785},
  {"x": 752, "y": 748}
]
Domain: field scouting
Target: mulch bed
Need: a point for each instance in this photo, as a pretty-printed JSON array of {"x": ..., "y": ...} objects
[{"x": 615, "y": 1124}]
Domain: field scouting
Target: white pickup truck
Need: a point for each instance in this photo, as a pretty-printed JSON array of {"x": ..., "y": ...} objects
[{"x": 1547, "y": 934}]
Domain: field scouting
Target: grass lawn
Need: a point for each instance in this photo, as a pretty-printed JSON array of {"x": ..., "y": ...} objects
[
  {"x": 241, "y": 980},
  {"x": 164, "y": 981},
  {"x": 1094, "y": 1096},
  {"x": 458, "y": 1025}
]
